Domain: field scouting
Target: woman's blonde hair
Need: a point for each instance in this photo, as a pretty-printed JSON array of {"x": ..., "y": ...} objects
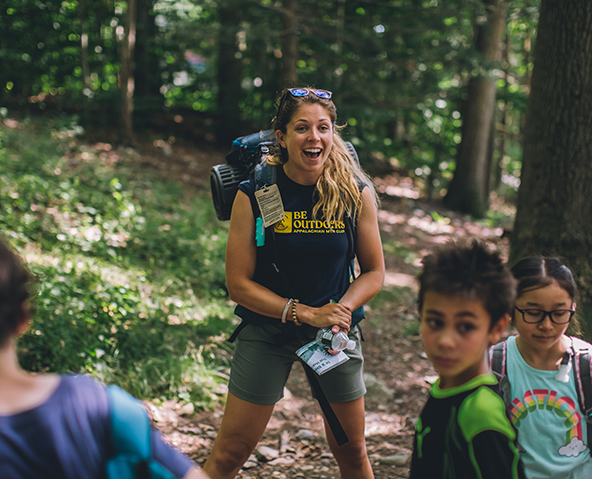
[{"x": 339, "y": 191}]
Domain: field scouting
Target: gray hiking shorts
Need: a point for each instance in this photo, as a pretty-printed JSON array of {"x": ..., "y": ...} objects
[{"x": 260, "y": 369}]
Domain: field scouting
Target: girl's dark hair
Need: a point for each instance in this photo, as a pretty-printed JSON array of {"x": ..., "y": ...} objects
[
  {"x": 14, "y": 292},
  {"x": 538, "y": 272},
  {"x": 470, "y": 270}
]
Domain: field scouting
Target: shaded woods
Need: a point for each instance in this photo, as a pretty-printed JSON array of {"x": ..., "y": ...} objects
[{"x": 108, "y": 199}]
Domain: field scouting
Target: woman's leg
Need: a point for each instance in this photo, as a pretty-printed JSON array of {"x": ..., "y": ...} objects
[
  {"x": 352, "y": 457},
  {"x": 242, "y": 426}
]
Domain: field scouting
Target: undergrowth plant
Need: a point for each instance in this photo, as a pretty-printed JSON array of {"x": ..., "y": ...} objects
[{"x": 129, "y": 269}]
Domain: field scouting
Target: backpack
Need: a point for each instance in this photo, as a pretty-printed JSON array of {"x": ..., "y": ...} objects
[
  {"x": 244, "y": 156},
  {"x": 130, "y": 440},
  {"x": 243, "y": 161},
  {"x": 581, "y": 355}
]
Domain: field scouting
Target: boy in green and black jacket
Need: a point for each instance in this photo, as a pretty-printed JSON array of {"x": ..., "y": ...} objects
[{"x": 465, "y": 297}]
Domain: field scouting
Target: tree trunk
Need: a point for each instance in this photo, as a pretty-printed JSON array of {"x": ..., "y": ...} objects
[
  {"x": 127, "y": 72},
  {"x": 469, "y": 189},
  {"x": 147, "y": 69},
  {"x": 86, "y": 91},
  {"x": 229, "y": 73},
  {"x": 554, "y": 204},
  {"x": 289, "y": 43}
]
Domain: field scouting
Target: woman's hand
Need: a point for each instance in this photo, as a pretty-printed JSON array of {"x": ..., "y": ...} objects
[{"x": 332, "y": 315}]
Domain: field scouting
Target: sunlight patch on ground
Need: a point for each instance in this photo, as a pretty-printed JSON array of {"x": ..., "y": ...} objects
[
  {"x": 400, "y": 279},
  {"x": 384, "y": 424}
]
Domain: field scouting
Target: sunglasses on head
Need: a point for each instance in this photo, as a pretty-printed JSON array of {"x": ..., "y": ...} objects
[{"x": 300, "y": 92}]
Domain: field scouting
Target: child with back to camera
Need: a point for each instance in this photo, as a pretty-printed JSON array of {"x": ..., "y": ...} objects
[
  {"x": 542, "y": 378},
  {"x": 54, "y": 426},
  {"x": 465, "y": 298}
]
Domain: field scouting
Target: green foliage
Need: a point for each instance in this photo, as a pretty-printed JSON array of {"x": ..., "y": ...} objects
[
  {"x": 399, "y": 302},
  {"x": 130, "y": 280},
  {"x": 399, "y": 70}
]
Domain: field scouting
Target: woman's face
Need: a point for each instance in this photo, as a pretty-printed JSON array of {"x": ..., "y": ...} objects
[
  {"x": 308, "y": 141},
  {"x": 545, "y": 335}
]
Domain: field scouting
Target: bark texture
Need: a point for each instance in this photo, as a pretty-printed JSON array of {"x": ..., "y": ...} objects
[
  {"x": 554, "y": 214},
  {"x": 469, "y": 189}
]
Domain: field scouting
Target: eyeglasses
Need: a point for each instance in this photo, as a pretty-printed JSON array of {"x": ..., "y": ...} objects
[
  {"x": 558, "y": 316},
  {"x": 300, "y": 92}
]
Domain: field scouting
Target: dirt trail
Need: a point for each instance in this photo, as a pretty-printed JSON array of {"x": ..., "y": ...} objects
[{"x": 392, "y": 348}]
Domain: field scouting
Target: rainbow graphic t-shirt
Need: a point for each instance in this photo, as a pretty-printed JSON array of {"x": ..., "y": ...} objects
[{"x": 549, "y": 421}]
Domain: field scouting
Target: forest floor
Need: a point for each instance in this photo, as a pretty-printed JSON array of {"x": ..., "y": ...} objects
[{"x": 392, "y": 349}]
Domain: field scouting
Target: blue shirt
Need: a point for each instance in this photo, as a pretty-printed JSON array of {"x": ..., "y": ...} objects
[{"x": 67, "y": 437}]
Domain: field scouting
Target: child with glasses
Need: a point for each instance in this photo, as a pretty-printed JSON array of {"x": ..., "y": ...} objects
[
  {"x": 319, "y": 183},
  {"x": 538, "y": 378}
]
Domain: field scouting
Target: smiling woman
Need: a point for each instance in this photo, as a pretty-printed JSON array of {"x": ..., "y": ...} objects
[
  {"x": 308, "y": 141},
  {"x": 320, "y": 185}
]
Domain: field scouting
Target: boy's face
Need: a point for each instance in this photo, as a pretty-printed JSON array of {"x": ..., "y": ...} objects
[{"x": 456, "y": 333}]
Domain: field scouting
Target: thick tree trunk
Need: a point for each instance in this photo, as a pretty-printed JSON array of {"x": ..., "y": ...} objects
[
  {"x": 289, "y": 43},
  {"x": 229, "y": 73},
  {"x": 127, "y": 72},
  {"x": 469, "y": 189},
  {"x": 554, "y": 214}
]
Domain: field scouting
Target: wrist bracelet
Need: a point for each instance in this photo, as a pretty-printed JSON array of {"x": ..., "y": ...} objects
[
  {"x": 286, "y": 308},
  {"x": 294, "y": 316}
]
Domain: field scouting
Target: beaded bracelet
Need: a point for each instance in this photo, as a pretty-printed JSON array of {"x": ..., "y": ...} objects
[
  {"x": 294, "y": 316},
  {"x": 286, "y": 308}
]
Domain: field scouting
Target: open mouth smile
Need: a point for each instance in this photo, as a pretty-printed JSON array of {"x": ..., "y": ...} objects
[{"x": 313, "y": 153}]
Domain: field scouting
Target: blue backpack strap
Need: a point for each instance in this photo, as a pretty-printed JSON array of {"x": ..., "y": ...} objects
[
  {"x": 130, "y": 439},
  {"x": 581, "y": 365}
]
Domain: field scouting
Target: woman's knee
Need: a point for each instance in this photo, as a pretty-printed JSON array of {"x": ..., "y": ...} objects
[
  {"x": 231, "y": 454},
  {"x": 352, "y": 453}
]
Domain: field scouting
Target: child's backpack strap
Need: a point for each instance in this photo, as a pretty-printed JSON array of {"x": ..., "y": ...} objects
[
  {"x": 497, "y": 363},
  {"x": 581, "y": 364},
  {"x": 130, "y": 439}
]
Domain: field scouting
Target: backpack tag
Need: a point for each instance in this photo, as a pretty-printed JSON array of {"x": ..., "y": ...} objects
[
  {"x": 259, "y": 232},
  {"x": 270, "y": 204}
]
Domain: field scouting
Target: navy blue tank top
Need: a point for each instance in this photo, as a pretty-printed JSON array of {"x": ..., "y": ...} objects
[{"x": 311, "y": 253}]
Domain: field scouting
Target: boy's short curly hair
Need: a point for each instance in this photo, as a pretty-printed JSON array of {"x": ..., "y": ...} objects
[
  {"x": 471, "y": 270},
  {"x": 14, "y": 292}
]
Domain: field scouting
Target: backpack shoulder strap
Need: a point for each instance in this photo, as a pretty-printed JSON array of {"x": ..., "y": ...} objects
[
  {"x": 581, "y": 362},
  {"x": 130, "y": 426},
  {"x": 497, "y": 363},
  {"x": 130, "y": 436},
  {"x": 265, "y": 174},
  {"x": 130, "y": 440},
  {"x": 497, "y": 359}
]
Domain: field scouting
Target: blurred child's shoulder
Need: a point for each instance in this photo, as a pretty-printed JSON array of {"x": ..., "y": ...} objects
[{"x": 483, "y": 409}]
